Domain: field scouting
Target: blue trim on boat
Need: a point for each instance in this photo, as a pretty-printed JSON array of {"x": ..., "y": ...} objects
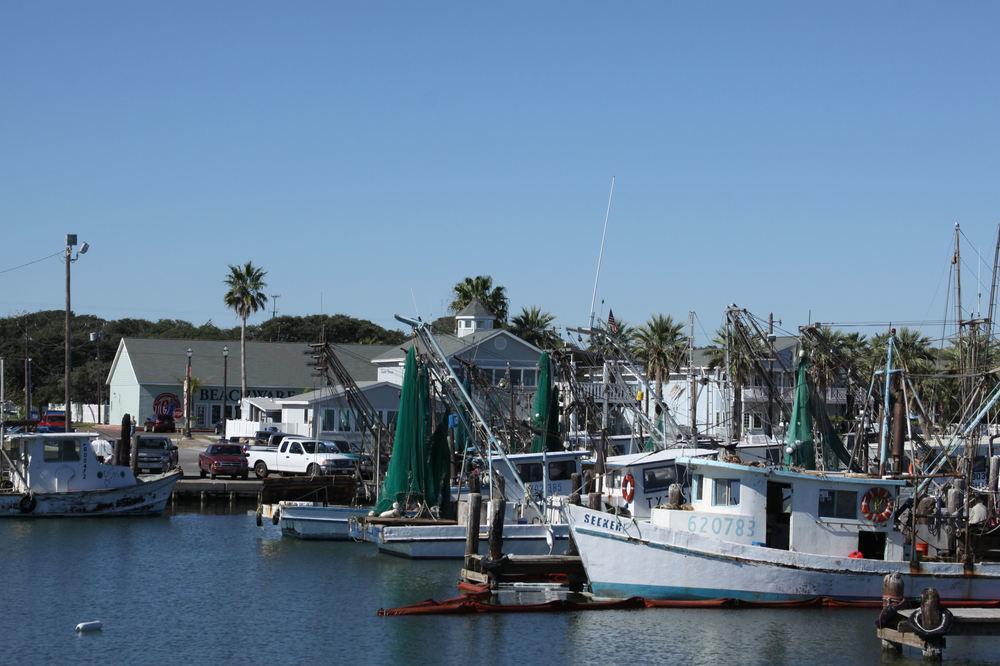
[{"x": 622, "y": 590}]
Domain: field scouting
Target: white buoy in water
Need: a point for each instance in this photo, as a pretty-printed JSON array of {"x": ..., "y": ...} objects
[{"x": 96, "y": 625}]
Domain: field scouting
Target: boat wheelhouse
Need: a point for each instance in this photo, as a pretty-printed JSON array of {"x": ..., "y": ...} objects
[{"x": 639, "y": 482}]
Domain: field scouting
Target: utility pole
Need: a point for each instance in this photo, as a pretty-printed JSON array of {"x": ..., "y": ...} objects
[
  {"x": 27, "y": 376},
  {"x": 70, "y": 242},
  {"x": 694, "y": 385}
]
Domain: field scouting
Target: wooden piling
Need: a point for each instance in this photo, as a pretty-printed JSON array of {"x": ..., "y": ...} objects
[
  {"x": 574, "y": 484},
  {"x": 594, "y": 501},
  {"x": 472, "y": 527},
  {"x": 498, "y": 508},
  {"x": 135, "y": 455}
]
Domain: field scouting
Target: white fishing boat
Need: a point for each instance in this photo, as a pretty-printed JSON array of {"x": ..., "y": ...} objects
[
  {"x": 315, "y": 520},
  {"x": 60, "y": 475},
  {"x": 759, "y": 533},
  {"x": 545, "y": 479},
  {"x": 637, "y": 482}
]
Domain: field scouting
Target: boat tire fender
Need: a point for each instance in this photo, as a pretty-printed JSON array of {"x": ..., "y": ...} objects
[
  {"x": 916, "y": 621},
  {"x": 27, "y": 503},
  {"x": 628, "y": 488}
]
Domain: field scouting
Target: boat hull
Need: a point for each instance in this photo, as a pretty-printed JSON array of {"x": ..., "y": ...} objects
[
  {"x": 148, "y": 497},
  {"x": 305, "y": 520},
  {"x": 624, "y": 558},
  {"x": 447, "y": 542}
]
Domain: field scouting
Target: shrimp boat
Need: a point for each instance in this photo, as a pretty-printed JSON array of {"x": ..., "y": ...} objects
[{"x": 61, "y": 475}]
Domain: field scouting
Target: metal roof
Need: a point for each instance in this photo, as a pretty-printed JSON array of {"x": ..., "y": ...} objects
[{"x": 269, "y": 364}]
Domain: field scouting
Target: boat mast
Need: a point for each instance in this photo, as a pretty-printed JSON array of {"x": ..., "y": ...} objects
[
  {"x": 694, "y": 387},
  {"x": 600, "y": 257}
]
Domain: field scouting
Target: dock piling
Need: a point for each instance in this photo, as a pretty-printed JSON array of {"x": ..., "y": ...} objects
[
  {"x": 498, "y": 508},
  {"x": 472, "y": 528}
]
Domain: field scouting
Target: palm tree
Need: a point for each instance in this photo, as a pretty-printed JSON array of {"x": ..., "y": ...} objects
[
  {"x": 245, "y": 297},
  {"x": 660, "y": 344},
  {"x": 535, "y": 326},
  {"x": 481, "y": 288},
  {"x": 828, "y": 351}
]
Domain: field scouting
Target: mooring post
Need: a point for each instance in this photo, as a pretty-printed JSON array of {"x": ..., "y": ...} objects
[
  {"x": 135, "y": 455},
  {"x": 930, "y": 616},
  {"x": 574, "y": 484},
  {"x": 594, "y": 501},
  {"x": 892, "y": 594},
  {"x": 472, "y": 526},
  {"x": 498, "y": 508}
]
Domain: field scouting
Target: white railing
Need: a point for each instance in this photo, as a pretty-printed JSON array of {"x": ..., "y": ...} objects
[
  {"x": 241, "y": 428},
  {"x": 834, "y": 396}
]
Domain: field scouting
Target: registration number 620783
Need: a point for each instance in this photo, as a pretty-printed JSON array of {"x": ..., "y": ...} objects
[{"x": 722, "y": 526}]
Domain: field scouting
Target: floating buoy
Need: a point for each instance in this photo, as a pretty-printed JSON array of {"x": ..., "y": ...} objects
[{"x": 83, "y": 627}]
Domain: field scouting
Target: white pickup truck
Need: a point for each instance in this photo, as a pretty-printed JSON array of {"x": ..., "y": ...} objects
[{"x": 300, "y": 455}]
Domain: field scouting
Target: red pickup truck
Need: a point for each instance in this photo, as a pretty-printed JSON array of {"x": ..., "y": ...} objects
[{"x": 52, "y": 422}]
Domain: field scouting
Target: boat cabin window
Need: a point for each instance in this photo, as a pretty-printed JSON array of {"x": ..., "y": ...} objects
[
  {"x": 697, "y": 484},
  {"x": 727, "y": 492},
  {"x": 558, "y": 471},
  {"x": 295, "y": 448},
  {"x": 658, "y": 478},
  {"x": 838, "y": 504},
  {"x": 62, "y": 450},
  {"x": 561, "y": 470}
]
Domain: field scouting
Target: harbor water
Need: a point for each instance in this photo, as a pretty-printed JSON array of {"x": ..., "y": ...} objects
[{"x": 192, "y": 588}]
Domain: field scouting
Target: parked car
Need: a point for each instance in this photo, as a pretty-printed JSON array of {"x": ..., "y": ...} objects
[
  {"x": 52, "y": 422},
  {"x": 300, "y": 455},
  {"x": 223, "y": 460},
  {"x": 157, "y": 454},
  {"x": 161, "y": 423}
]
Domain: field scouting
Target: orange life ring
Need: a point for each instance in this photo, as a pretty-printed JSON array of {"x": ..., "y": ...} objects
[
  {"x": 877, "y": 505},
  {"x": 628, "y": 488}
]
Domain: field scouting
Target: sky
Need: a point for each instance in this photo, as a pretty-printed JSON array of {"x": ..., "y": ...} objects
[{"x": 805, "y": 159}]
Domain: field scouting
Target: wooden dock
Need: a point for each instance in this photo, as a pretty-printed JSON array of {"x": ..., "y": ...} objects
[
  {"x": 204, "y": 490},
  {"x": 928, "y": 626},
  {"x": 563, "y": 569}
]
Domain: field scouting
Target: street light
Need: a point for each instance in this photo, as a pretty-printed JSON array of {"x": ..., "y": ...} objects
[
  {"x": 70, "y": 258},
  {"x": 225, "y": 386},
  {"x": 187, "y": 397}
]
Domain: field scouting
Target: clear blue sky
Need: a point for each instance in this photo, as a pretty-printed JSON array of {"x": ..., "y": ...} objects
[{"x": 782, "y": 156}]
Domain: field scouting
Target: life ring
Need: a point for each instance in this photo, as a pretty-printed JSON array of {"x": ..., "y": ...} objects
[
  {"x": 876, "y": 505},
  {"x": 27, "y": 503},
  {"x": 628, "y": 488}
]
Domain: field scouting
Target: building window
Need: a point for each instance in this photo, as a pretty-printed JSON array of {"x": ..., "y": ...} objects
[
  {"x": 390, "y": 417},
  {"x": 528, "y": 377},
  {"x": 838, "y": 504},
  {"x": 344, "y": 424},
  {"x": 515, "y": 377},
  {"x": 726, "y": 492},
  {"x": 329, "y": 420}
]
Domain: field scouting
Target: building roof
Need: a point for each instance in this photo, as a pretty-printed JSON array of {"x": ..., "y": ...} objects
[
  {"x": 269, "y": 364},
  {"x": 451, "y": 345},
  {"x": 475, "y": 309},
  {"x": 328, "y": 392}
]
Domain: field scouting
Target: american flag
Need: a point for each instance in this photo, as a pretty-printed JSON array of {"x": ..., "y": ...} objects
[{"x": 612, "y": 324}]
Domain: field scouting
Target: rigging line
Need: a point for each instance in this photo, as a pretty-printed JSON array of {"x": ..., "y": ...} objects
[{"x": 34, "y": 261}]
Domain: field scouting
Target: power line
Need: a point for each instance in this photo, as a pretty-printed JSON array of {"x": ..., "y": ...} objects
[{"x": 34, "y": 261}]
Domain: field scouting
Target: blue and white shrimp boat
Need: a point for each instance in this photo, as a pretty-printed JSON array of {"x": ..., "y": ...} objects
[
  {"x": 59, "y": 474},
  {"x": 760, "y": 533}
]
